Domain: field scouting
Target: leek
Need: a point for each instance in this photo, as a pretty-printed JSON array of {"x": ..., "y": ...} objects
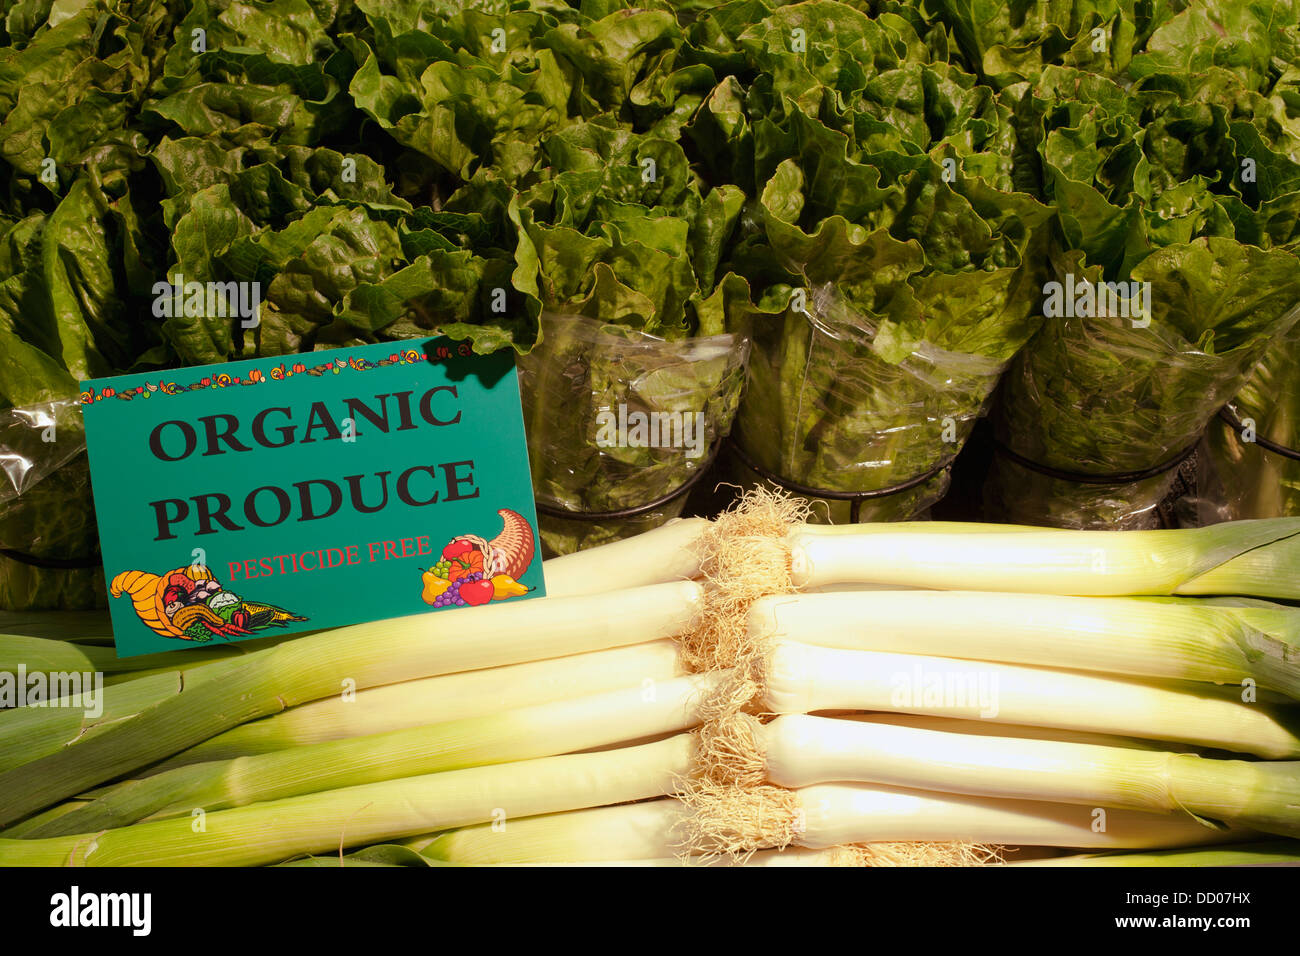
[
  {"x": 25, "y": 827},
  {"x": 383, "y": 854},
  {"x": 636, "y": 831},
  {"x": 667, "y": 553},
  {"x": 955, "y": 725},
  {"x": 826, "y": 815},
  {"x": 795, "y": 856},
  {"x": 366, "y": 655},
  {"x": 792, "y": 857},
  {"x": 390, "y": 855},
  {"x": 898, "y": 823},
  {"x": 371, "y": 813},
  {"x": 664, "y": 555},
  {"x": 1268, "y": 853},
  {"x": 82, "y": 627},
  {"x": 650, "y": 832},
  {"x": 565, "y": 726},
  {"x": 432, "y": 700},
  {"x": 325, "y": 862},
  {"x": 29, "y": 733},
  {"x": 46, "y": 655},
  {"x": 1168, "y": 638},
  {"x": 1259, "y": 558},
  {"x": 799, "y": 750},
  {"x": 801, "y": 679}
]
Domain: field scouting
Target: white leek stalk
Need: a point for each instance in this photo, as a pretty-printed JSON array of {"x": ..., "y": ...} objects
[
  {"x": 564, "y": 726},
  {"x": 826, "y": 818},
  {"x": 792, "y": 857},
  {"x": 667, "y": 553},
  {"x": 636, "y": 831},
  {"x": 799, "y": 750},
  {"x": 651, "y": 832},
  {"x": 835, "y": 814},
  {"x": 955, "y": 725},
  {"x": 1260, "y": 558},
  {"x": 433, "y": 700},
  {"x": 802, "y": 679},
  {"x": 1166, "y": 638},
  {"x": 364, "y": 815}
]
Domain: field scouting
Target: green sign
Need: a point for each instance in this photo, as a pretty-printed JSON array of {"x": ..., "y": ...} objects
[{"x": 300, "y": 492}]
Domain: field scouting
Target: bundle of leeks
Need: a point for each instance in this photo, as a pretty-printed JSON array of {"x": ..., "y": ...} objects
[{"x": 751, "y": 689}]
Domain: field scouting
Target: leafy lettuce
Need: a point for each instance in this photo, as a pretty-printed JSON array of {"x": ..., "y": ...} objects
[
  {"x": 888, "y": 231},
  {"x": 1183, "y": 183}
]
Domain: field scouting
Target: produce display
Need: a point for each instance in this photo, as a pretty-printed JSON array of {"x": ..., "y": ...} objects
[
  {"x": 753, "y": 690},
  {"x": 835, "y": 223},
  {"x": 910, "y": 390}
]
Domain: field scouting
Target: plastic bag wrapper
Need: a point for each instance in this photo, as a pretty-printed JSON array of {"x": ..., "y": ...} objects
[
  {"x": 47, "y": 515},
  {"x": 1015, "y": 494},
  {"x": 1243, "y": 478},
  {"x": 1099, "y": 397},
  {"x": 674, "y": 399},
  {"x": 823, "y": 410}
]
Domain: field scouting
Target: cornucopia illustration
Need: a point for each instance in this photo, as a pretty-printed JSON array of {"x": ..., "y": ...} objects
[
  {"x": 189, "y": 603},
  {"x": 474, "y": 571}
]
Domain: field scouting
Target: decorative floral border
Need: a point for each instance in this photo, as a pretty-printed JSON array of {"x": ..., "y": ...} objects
[{"x": 277, "y": 374}]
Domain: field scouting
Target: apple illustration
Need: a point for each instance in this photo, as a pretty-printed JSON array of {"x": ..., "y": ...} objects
[
  {"x": 456, "y": 549},
  {"x": 476, "y": 592}
]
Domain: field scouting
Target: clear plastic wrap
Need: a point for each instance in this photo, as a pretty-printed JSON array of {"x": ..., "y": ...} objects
[
  {"x": 49, "y": 545},
  {"x": 1245, "y": 477},
  {"x": 1104, "y": 397},
  {"x": 823, "y": 410},
  {"x": 617, "y": 420}
]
